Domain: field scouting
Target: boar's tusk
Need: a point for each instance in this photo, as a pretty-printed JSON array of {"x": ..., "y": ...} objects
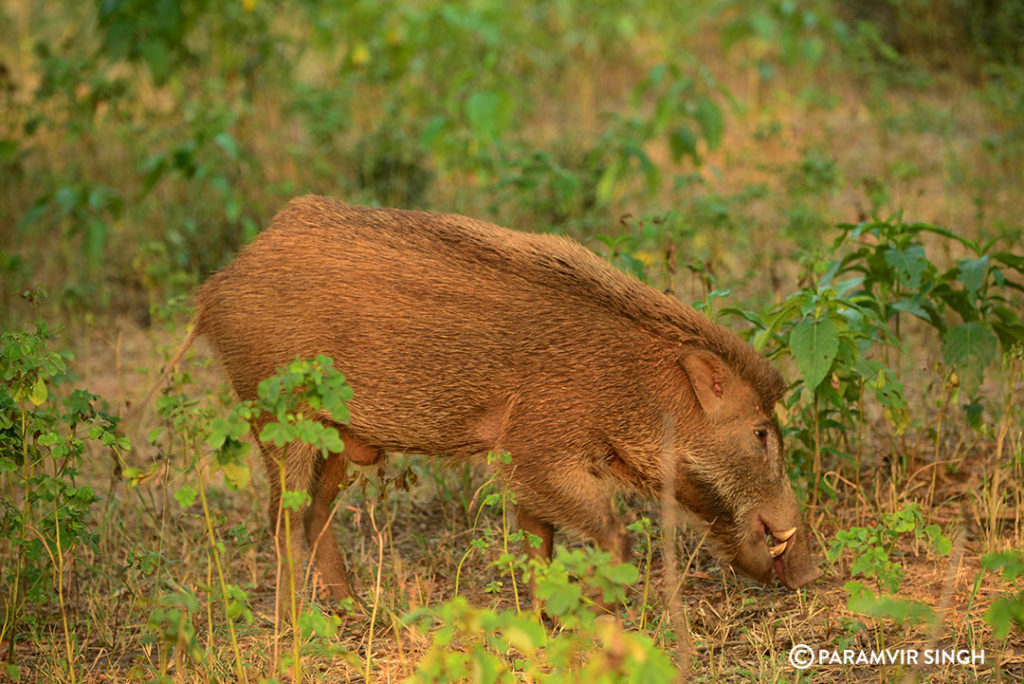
[
  {"x": 777, "y": 551},
  {"x": 784, "y": 536}
]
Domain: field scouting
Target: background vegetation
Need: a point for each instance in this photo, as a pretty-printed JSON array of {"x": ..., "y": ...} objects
[{"x": 840, "y": 181}]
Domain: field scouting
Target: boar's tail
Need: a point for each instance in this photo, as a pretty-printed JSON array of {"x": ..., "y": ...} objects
[
  {"x": 173, "y": 364},
  {"x": 134, "y": 418}
]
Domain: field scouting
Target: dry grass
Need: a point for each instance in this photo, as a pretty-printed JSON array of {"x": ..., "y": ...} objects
[{"x": 739, "y": 632}]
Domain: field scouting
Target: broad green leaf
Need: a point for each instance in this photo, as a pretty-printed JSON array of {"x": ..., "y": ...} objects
[
  {"x": 683, "y": 142},
  {"x": 488, "y": 114},
  {"x": 814, "y": 344},
  {"x": 525, "y": 636},
  {"x": 970, "y": 348},
  {"x": 236, "y": 474},
  {"x": 186, "y": 496},
  {"x": 331, "y": 440},
  {"x": 909, "y": 263},
  {"x": 294, "y": 500},
  {"x": 624, "y": 573},
  {"x": 559, "y": 597},
  {"x": 37, "y": 395},
  {"x": 712, "y": 122},
  {"x": 939, "y": 541},
  {"x": 276, "y": 433},
  {"x": 972, "y": 273},
  {"x": 1009, "y": 563},
  {"x": 1003, "y": 614},
  {"x": 890, "y": 607}
]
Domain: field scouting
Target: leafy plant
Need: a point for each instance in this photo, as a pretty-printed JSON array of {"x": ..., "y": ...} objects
[
  {"x": 830, "y": 331},
  {"x": 1006, "y": 611},
  {"x": 872, "y": 549},
  {"x": 45, "y": 523},
  {"x": 895, "y": 273},
  {"x": 842, "y": 329},
  {"x": 491, "y": 645},
  {"x": 170, "y": 626}
]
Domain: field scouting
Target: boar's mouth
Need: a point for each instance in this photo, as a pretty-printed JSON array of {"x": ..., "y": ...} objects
[
  {"x": 780, "y": 550},
  {"x": 764, "y": 543},
  {"x": 778, "y": 544}
]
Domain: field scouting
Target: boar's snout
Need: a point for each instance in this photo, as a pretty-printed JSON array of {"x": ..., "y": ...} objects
[
  {"x": 778, "y": 548},
  {"x": 736, "y": 478}
]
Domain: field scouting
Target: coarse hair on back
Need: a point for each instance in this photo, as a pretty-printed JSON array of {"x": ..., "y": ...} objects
[{"x": 559, "y": 263}]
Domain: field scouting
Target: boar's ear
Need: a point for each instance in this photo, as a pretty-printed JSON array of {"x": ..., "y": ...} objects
[{"x": 707, "y": 376}]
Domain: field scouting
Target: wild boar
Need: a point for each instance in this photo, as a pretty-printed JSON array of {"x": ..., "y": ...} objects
[{"x": 460, "y": 338}]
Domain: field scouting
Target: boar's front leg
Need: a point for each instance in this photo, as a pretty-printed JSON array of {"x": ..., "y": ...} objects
[
  {"x": 533, "y": 525},
  {"x": 571, "y": 497}
]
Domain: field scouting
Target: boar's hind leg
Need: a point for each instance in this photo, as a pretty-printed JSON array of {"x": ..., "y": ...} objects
[
  {"x": 323, "y": 490},
  {"x": 298, "y": 475},
  {"x": 317, "y": 524}
]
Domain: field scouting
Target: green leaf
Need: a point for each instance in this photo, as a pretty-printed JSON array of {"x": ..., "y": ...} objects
[
  {"x": 624, "y": 573},
  {"x": 37, "y": 395},
  {"x": 890, "y": 607},
  {"x": 525, "y": 636},
  {"x": 683, "y": 142},
  {"x": 488, "y": 114},
  {"x": 1014, "y": 261},
  {"x": 237, "y": 474},
  {"x": 970, "y": 348},
  {"x": 1003, "y": 614},
  {"x": 276, "y": 433},
  {"x": 909, "y": 263},
  {"x": 814, "y": 344},
  {"x": 294, "y": 500},
  {"x": 972, "y": 273},
  {"x": 315, "y": 623},
  {"x": 186, "y": 496},
  {"x": 559, "y": 597},
  {"x": 1009, "y": 563},
  {"x": 712, "y": 122}
]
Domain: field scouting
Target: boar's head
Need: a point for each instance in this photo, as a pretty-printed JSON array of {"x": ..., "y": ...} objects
[{"x": 731, "y": 470}]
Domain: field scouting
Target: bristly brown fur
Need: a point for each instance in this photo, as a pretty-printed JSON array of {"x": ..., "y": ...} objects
[
  {"x": 561, "y": 264},
  {"x": 459, "y": 337}
]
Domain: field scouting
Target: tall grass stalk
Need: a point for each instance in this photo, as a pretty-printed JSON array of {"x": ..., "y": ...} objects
[{"x": 214, "y": 553}]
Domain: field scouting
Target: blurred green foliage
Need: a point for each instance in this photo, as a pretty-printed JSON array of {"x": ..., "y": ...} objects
[{"x": 147, "y": 141}]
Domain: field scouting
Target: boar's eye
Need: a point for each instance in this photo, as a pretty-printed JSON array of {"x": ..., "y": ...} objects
[{"x": 762, "y": 435}]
